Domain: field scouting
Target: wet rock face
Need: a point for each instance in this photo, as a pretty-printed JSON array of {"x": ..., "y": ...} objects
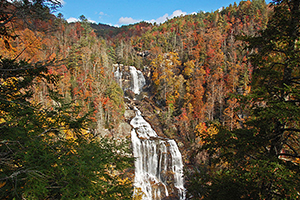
[
  {"x": 123, "y": 129},
  {"x": 129, "y": 114}
]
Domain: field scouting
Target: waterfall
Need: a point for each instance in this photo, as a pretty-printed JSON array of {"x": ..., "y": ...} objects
[
  {"x": 158, "y": 161},
  {"x": 134, "y": 78},
  {"x": 138, "y": 80},
  {"x": 118, "y": 76}
]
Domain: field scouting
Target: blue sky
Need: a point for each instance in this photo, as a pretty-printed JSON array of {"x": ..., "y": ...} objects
[{"x": 123, "y": 12}]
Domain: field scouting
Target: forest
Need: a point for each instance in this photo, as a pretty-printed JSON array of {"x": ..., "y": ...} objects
[{"x": 225, "y": 85}]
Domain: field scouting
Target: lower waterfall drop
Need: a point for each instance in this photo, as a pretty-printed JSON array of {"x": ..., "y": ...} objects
[{"x": 158, "y": 162}]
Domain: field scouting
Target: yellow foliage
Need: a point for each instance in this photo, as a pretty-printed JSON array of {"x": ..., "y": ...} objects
[
  {"x": 297, "y": 160},
  {"x": 124, "y": 181},
  {"x": 2, "y": 120},
  {"x": 189, "y": 68},
  {"x": 2, "y": 184},
  {"x": 212, "y": 130},
  {"x": 202, "y": 132},
  {"x": 190, "y": 109},
  {"x": 163, "y": 67},
  {"x": 138, "y": 194},
  {"x": 201, "y": 129}
]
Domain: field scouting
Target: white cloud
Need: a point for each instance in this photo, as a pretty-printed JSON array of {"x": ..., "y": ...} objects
[
  {"x": 73, "y": 19},
  {"x": 127, "y": 20},
  {"x": 166, "y": 16},
  {"x": 177, "y": 13},
  {"x": 101, "y": 14},
  {"x": 162, "y": 19}
]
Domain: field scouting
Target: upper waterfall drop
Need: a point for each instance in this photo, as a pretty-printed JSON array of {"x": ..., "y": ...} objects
[
  {"x": 138, "y": 80},
  {"x": 129, "y": 78}
]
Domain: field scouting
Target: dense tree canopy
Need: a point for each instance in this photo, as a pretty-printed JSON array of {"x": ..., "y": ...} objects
[{"x": 260, "y": 160}]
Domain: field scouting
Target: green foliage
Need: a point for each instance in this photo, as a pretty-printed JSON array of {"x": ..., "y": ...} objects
[{"x": 239, "y": 163}]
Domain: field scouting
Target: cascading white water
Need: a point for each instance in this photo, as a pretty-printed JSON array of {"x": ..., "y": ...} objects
[
  {"x": 148, "y": 153},
  {"x": 158, "y": 161},
  {"x": 158, "y": 164},
  {"x": 138, "y": 80},
  {"x": 177, "y": 167}
]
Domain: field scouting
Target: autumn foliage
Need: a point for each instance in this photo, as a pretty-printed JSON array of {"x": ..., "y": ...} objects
[{"x": 200, "y": 76}]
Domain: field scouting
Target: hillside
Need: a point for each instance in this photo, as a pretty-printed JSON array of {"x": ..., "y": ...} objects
[{"x": 224, "y": 85}]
